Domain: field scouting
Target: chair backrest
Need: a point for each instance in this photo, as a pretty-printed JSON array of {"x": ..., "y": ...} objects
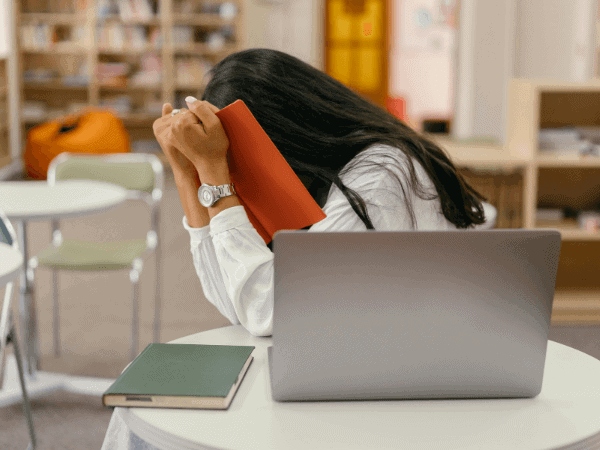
[
  {"x": 137, "y": 172},
  {"x": 7, "y": 232},
  {"x": 7, "y": 236}
]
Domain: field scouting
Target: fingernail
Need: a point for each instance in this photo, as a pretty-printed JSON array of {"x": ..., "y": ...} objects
[{"x": 190, "y": 99}]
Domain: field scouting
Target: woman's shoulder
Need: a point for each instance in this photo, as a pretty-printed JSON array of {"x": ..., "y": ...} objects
[
  {"x": 379, "y": 159},
  {"x": 380, "y": 151}
]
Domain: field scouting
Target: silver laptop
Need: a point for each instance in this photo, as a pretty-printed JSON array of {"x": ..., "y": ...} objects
[{"x": 411, "y": 314}]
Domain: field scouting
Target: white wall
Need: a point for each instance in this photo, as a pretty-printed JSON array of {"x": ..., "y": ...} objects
[
  {"x": 499, "y": 41},
  {"x": 485, "y": 65},
  {"x": 423, "y": 75},
  {"x": 555, "y": 39},
  {"x": 292, "y": 26}
]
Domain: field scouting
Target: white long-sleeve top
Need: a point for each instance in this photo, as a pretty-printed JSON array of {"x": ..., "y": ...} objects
[{"x": 235, "y": 266}]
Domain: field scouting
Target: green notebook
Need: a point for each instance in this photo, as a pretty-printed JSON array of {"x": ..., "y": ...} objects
[{"x": 181, "y": 376}]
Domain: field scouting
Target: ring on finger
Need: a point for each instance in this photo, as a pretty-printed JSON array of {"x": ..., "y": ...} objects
[{"x": 175, "y": 111}]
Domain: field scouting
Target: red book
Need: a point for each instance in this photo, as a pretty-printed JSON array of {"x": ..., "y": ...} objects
[{"x": 270, "y": 191}]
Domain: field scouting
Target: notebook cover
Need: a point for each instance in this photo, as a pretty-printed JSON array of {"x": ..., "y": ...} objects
[
  {"x": 270, "y": 191},
  {"x": 182, "y": 370}
]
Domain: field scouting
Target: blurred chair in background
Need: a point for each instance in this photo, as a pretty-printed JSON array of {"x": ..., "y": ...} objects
[
  {"x": 7, "y": 329},
  {"x": 143, "y": 176}
]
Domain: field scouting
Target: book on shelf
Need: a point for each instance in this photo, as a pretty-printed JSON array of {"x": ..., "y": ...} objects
[
  {"x": 120, "y": 104},
  {"x": 182, "y": 34},
  {"x": 550, "y": 214},
  {"x": 181, "y": 376},
  {"x": 54, "y": 6},
  {"x": 589, "y": 220},
  {"x": 191, "y": 70},
  {"x": 117, "y": 36},
  {"x": 44, "y": 36}
]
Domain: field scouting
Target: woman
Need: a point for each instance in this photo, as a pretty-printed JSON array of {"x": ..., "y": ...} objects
[{"x": 353, "y": 157}]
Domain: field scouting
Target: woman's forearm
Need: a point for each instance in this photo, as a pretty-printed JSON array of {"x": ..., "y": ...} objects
[
  {"x": 187, "y": 186},
  {"x": 217, "y": 174}
]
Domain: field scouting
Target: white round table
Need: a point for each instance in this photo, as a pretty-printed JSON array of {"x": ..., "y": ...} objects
[
  {"x": 11, "y": 261},
  {"x": 36, "y": 200},
  {"x": 565, "y": 415},
  {"x": 23, "y": 201}
]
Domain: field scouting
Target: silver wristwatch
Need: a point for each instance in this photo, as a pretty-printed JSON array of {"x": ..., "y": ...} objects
[{"x": 209, "y": 195}]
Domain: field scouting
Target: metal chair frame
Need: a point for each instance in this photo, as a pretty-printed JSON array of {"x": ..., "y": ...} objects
[
  {"x": 152, "y": 240},
  {"x": 8, "y": 336}
]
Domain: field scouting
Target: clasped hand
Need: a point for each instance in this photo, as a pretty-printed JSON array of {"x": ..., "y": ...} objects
[{"x": 191, "y": 138}]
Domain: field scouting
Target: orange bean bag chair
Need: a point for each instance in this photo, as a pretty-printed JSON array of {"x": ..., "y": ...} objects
[{"x": 91, "y": 131}]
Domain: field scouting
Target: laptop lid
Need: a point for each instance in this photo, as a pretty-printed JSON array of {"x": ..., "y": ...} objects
[{"x": 412, "y": 314}]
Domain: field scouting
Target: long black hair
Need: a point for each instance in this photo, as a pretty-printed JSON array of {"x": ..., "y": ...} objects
[{"x": 319, "y": 125}]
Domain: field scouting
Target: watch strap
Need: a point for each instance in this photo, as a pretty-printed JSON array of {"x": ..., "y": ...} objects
[{"x": 225, "y": 190}]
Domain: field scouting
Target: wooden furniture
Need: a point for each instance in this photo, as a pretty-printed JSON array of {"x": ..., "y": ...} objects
[
  {"x": 566, "y": 414},
  {"x": 549, "y": 181},
  {"x": 5, "y": 157},
  {"x": 79, "y": 51}
]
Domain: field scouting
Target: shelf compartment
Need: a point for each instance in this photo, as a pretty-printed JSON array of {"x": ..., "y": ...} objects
[
  {"x": 477, "y": 154},
  {"x": 202, "y": 49},
  {"x": 131, "y": 51},
  {"x": 138, "y": 118},
  {"x": 156, "y": 87},
  {"x": 54, "y": 85},
  {"x": 576, "y": 306},
  {"x": 569, "y": 230},
  {"x": 190, "y": 86},
  {"x": 66, "y": 50},
  {"x": 548, "y": 161},
  {"x": 117, "y": 18},
  {"x": 54, "y": 18},
  {"x": 207, "y": 20}
]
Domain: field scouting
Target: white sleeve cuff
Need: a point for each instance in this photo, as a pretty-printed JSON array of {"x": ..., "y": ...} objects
[
  {"x": 228, "y": 219},
  {"x": 196, "y": 234}
]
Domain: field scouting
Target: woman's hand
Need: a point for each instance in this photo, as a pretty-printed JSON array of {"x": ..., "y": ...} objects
[
  {"x": 181, "y": 165},
  {"x": 200, "y": 135}
]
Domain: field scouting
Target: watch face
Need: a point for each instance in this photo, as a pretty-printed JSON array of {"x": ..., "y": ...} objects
[{"x": 206, "y": 196}]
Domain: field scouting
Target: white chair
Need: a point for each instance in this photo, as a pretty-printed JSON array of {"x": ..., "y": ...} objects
[
  {"x": 7, "y": 329},
  {"x": 143, "y": 176}
]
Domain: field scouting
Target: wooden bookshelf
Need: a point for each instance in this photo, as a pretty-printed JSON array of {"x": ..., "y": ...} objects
[
  {"x": 5, "y": 153},
  {"x": 66, "y": 57},
  {"x": 547, "y": 181}
]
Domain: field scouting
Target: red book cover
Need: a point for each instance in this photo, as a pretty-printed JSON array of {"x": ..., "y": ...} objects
[{"x": 270, "y": 191}]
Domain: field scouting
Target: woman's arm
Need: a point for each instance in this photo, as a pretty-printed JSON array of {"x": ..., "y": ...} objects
[
  {"x": 185, "y": 173},
  {"x": 200, "y": 137},
  {"x": 217, "y": 174},
  {"x": 187, "y": 187},
  {"x": 245, "y": 263}
]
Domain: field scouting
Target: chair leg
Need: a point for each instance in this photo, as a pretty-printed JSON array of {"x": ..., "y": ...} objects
[
  {"x": 157, "y": 296},
  {"x": 134, "y": 277},
  {"x": 29, "y": 322},
  {"x": 56, "y": 314},
  {"x": 156, "y": 227},
  {"x": 26, "y": 405}
]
